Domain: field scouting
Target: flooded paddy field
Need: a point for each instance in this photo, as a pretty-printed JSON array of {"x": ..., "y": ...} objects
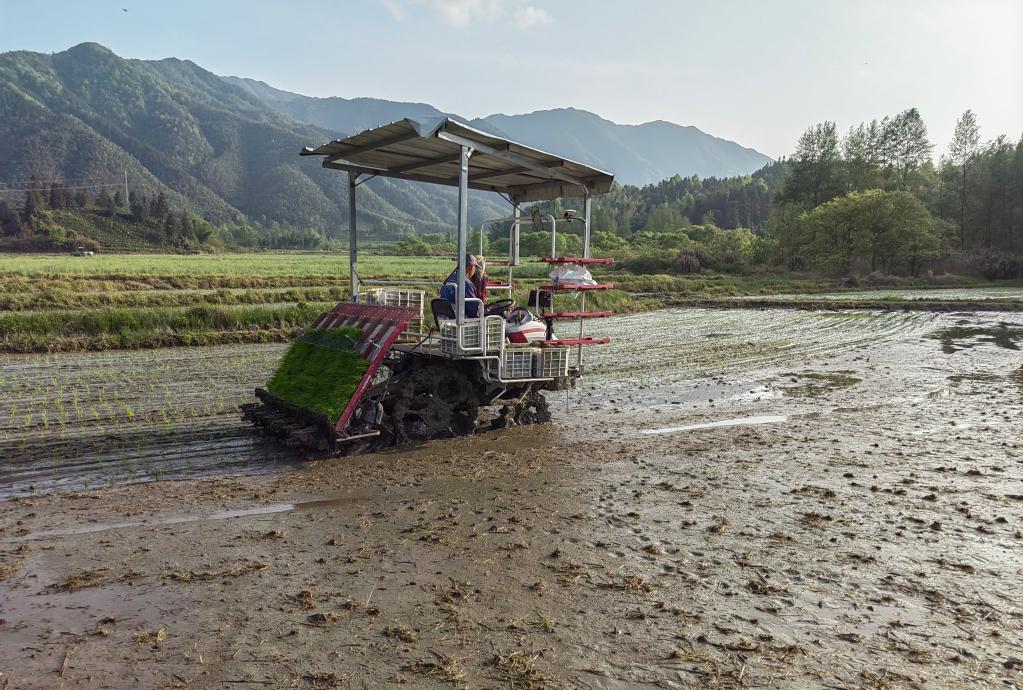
[
  {"x": 997, "y": 293},
  {"x": 81, "y": 420},
  {"x": 732, "y": 498}
]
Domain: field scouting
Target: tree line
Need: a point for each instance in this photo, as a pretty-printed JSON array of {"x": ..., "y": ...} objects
[
  {"x": 870, "y": 201},
  {"x": 874, "y": 200},
  {"x": 56, "y": 218}
]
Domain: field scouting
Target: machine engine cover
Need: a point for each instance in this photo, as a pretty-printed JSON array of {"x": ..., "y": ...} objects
[{"x": 528, "y": 332}]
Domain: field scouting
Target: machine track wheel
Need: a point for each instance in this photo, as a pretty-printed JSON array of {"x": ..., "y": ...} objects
[
  {"x": 530, "y": 408},
  {"x": 433, "y": 400}
]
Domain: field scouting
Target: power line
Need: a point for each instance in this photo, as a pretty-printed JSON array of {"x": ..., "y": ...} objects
[
  {"x": 64, "y": 184},
  {"x": 45, "y": 189},
  {"x": 63, "y": 180}
]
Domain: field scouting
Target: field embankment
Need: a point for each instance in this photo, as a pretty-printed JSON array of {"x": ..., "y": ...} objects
[{"x": 54, "y": 303}]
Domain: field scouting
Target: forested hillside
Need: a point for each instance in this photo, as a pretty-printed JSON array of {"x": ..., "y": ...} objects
[{"x": 215, "y": 150}]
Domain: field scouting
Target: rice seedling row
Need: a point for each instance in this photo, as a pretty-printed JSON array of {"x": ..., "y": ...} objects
[{"x": 124, "y": 416}]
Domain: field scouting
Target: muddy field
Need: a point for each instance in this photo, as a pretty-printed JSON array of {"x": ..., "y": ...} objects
[{"x": 732, "y": 499}]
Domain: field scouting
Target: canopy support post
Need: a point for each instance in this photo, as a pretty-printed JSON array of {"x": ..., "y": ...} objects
[
  {"x": 463, "y": 231},
  {"x": 514, "y": 243},
  {"x": 587, "y": 211},
  {"x": 353, "y": 246}
]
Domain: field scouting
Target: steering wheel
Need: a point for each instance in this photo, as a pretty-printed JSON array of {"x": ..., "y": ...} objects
[
  {"x": 518, "y": 315},
  {"x": 499, "y": 307}
]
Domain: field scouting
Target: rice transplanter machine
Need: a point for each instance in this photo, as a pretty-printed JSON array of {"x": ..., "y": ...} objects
[{"x": 396, "y": 386}]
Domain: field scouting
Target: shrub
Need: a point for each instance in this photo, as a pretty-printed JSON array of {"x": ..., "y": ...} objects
[
  {"x": 688, "y": 261},
  {"x": 995, "y": 265},
  {"x": 411, "y": 246},
  {"x": 647, "y": 263}
]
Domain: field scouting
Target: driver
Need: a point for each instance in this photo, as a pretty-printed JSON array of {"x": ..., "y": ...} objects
[
  {"x": 449, "y": 290},
  {"x": 479, "y": 278}
]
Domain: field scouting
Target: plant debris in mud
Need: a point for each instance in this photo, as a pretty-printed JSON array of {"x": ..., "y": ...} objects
[
  {"x": 763, "y": 587},
  {"x": 322, "y": 620},
  {"x": 208, "y": 575},
  {"x": 400, "y": 632},
  {"x": 151, "y": 638},
  {"x": 323, "y": 681},
  {"x": 520, "y": 672},
  {"x": 629, "y": 583},
  {"x": 448, "y": 668},
  {"x": 8, "y": 569},
  {"x": 719, "y": 525},
  {"x": 81, "y": 580},
  {"x": 305, "y": 600}
]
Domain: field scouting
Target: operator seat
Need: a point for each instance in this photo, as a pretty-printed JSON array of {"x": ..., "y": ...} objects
[{"x": 442, "y": 309}]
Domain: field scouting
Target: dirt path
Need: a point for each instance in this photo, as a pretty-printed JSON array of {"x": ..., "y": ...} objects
[{"x": 763, "y": 503}]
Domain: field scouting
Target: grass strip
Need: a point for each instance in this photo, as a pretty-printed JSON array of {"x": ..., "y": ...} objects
[{"x": 132, "y": 327}]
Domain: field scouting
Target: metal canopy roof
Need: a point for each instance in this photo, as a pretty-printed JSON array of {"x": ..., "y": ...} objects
[{"x": 428, "y": 151}]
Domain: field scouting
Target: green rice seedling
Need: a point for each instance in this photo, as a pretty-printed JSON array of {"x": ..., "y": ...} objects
[{"x": 320, "y": 371}]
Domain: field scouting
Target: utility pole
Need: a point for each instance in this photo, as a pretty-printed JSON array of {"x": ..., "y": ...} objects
[{"x": 126, "y": 204}]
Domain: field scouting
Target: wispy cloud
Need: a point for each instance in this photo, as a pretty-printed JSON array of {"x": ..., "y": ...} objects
[
  {"x": 465, "y": 13},
  {"x": 528, "y": 16}
]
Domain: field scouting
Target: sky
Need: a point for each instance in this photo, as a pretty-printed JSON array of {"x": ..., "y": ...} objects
[{"x": 747, "y": 70}]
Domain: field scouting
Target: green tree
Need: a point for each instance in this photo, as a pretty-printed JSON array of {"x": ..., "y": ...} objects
[
  {"x": 961, "y": 152},
  {"x": 58, "y": 197},
  {"x": 35, "y": 203},
  {"x": 885, "y": 230},
  {"x": 903, "y": 147},
  {"x": 139, "y": 207},
  {"x": 815, "y": 167},
  {"x": 10, "y": 221},
  {"x": 410, "y": 245},
  {"x": 105, "y": 203},
  {"x": 170, "y": 228},
  {"x": 159, "y": 208},
  {"x": 860, "y": 154}
]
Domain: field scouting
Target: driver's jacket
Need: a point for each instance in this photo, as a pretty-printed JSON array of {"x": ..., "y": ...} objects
[{"x": 449, "y": 292}]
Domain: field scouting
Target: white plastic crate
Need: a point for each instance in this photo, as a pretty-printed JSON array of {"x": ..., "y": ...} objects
[
  {"x": 471, "y": 335},
  {"x": 518, "y": 362},
  {"x": 552, "y": 362},
  {"x": 399, "y": 297}
]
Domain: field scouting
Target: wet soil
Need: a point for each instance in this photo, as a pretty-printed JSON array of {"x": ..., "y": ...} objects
[{"x": 694, "y": 518}]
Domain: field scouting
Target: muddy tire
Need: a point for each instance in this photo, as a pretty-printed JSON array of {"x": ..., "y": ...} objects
[{"x": 432, "y": 400}]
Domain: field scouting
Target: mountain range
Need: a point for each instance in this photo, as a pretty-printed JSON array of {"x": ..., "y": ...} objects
[
  {"x": 226, "y": 147},
  {"x": 637, "y": 154}
]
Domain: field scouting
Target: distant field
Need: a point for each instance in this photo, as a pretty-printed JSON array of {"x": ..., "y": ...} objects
[
  {"x": 269, "y": 264},
  {"x": 51, "y": 302},
  {"x": 57, "y": 303}
]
